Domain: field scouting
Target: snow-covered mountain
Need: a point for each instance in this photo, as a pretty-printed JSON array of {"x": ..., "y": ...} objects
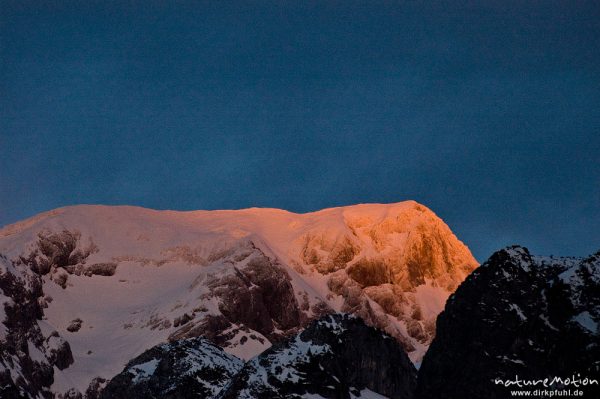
[{"x": 116, "y": 281}]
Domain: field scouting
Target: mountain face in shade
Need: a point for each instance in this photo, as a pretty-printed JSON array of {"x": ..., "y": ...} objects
[
  {"x": 116, "y": 281},
  {"x": 338, "y": 356},
  {"x": 516, "y": 315},
  {"x": 182, "y": 369},
  {"x": 30, "y": 349}
]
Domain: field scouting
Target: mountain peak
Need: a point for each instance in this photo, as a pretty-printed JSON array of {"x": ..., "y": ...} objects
[{"x": 245, "y": 279}]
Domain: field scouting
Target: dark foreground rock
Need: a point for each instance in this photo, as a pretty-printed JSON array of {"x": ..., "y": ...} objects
[
  {"x": 28, "y": 357},
  {"x": 334, "y": 357},
  {"x": 517, "y": 315},
  {"x": 188, "y": 368}
]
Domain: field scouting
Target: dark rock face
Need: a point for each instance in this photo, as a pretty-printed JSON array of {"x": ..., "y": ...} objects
[
  {"x": 183, "y": 369},
  {"x": 58, "y": 351},
  {"x": 57, "y": 250},
  {"x": 256, "y": 294},
  {"x": 63, "y": 253},
  {"x": 259, "y": 296},
  {"x": 516, "y": 315},
  {"x": 95, "y": 388},
  {"x": 98, "y": 269},
  {"x": 333, "y": 357},
  {"x": 27, "y": 357},
  {"x": 74, "y": 325}
]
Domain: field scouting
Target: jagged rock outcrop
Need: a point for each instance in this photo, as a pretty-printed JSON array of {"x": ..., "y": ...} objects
[
  {"x": 255, "y": 300},
  {"x": 517, "y": 315},
  {"x": 27, "y": 355},
  {"x": 182, "y": 369},
  {"x": 334, "y": 357},
  {"x": 255, "y": 292},
  {"x": 62, "y": 253}
]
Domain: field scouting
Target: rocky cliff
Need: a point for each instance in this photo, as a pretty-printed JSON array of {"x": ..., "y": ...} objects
[
  {"x": 187, "y": 368},
  {"x": 30, "y": 349},
  {"x": 518, "y": 316},
  {"x": 336, "y": 357}
]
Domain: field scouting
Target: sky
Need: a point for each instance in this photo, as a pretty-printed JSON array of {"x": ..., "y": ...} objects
[{"x": 486, "y": 112}]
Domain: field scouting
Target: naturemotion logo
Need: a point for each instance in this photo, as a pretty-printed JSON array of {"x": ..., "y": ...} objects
[{"x": 548, "y": 387}]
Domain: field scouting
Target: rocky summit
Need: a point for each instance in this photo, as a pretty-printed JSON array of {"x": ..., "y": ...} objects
[{"x": 517, "y": 317}]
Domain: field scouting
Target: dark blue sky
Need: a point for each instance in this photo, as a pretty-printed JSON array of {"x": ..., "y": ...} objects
[{"x": 489, "y": 114}]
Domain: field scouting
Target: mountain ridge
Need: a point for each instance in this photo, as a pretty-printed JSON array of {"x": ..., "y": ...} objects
[{"x": 120, "y": 279}]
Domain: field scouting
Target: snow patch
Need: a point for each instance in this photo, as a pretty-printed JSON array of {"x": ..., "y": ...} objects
[
  {"x": 585, "y": 320},
  {"x": 144, "y": 370},
  {"x": 431, "y": 299},
  {"x": 516, "y": 308}
]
